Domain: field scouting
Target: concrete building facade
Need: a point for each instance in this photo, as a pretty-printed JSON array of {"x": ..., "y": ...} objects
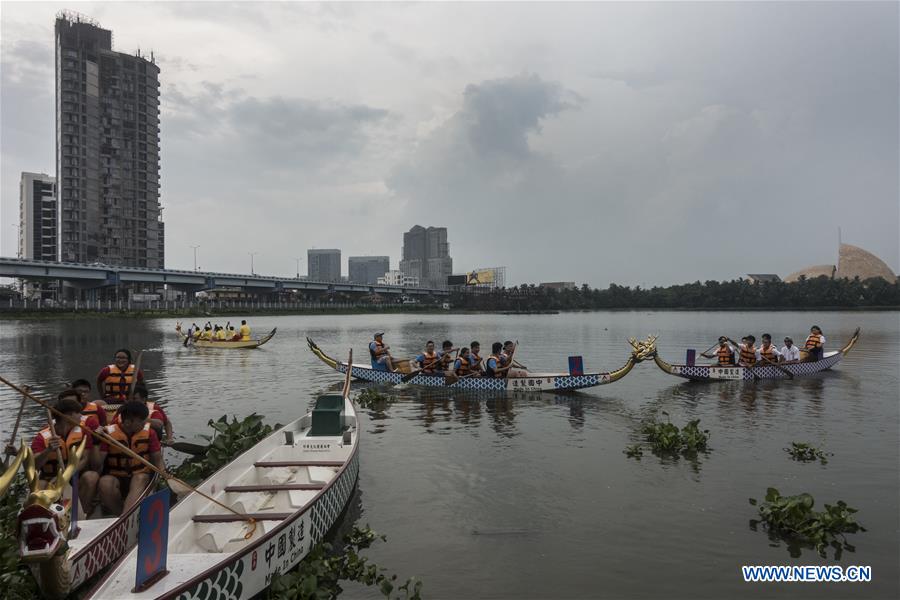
[
  {"x": 367, "y": 269},
  {"x": 107, "y": 149},
  {"x": 426, "y": 256},
  {"x": 398, "y": 278},
  {"x": 37, "y": 217},
  {"x": 323, "y": 265}
]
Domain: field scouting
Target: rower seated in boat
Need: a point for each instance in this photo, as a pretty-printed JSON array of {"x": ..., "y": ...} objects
[
  {"x": 462, "y": 366},
  {"x": 233, "y": 335},
  {"x": 493, "y": 362},
  {"x": 91, "y": 410},
  {"x": 514, "y": 369},
  {"x": 126, "y": 477},
  {"x": 724, "y": 353},
  {"x": 157, "y": 417},
  {"x": 207, "y": 333},
  {"x": 445, "y": 357},
  {"x": 379, "y": 353},
  {"x": 475, "y": 358},
  {"x": 220, "y": 333},
  {"x": 245, "y": 331},
  {"x": 815, "y": 344},
  {"x": 68, "y": 435},
  {"x": 766, "y": 351},
  {"x": 747, "y": 351},
  {"x": 429, "y": 359},
  {"x": 789, "y": 352}
]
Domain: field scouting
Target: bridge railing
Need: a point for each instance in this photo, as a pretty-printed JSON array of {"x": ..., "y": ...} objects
[{"x": 13, "y": 305}]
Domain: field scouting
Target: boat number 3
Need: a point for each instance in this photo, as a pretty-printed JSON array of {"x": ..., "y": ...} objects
[
  {"x": 253, "y": 561},
  {"x": 156, "y": 514}
]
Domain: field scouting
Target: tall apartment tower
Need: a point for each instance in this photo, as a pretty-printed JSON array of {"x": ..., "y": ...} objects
[
  {"x": 367, "y": 269},
  {"x": 37, "y": 217},
  {"x": 107, "y": 149},
  {"x": 323, "y": 265},
  {"x": 426, "y": 255}
]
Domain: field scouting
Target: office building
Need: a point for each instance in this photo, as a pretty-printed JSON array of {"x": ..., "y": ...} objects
[
  {"x": 107, "y": 149},
  {"x": 37, "y": 217},
  {"x": 367, "y": 269},
  {"x": 398, "y": 278},
  {"x": 323, "y": 265},
  {"x": 426, "y": 256}
]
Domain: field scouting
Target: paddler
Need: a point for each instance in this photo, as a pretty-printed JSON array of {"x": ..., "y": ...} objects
[
  {"x": 462, "y": 366},
  {"x": 245, "y": 331},
  {"x": 815, "y": 344},
  {"x": 125, "y": 477},
  {"x": 158, "y": 419},
  {"x": 195, "y": 331},
  {"x": 45, "y": 446},
  {"x": 789, "y": 352},
  {"x": 747, "y": 351},
  {"x": 475, "y": 358},
  {"x": 766, "y": 351},
  {"x": 445, "y": 357},
  {"x": 724, "y": 353},
  {"x": 233, "y": 335},
  {"x": 515, "y": 369},
  {"x": 91, "y": 410},
  {"x": 429, "y": 359},
  {"x": 379, "y": 353},
  {"x": 114, "y": 381},
  {"x": 207, "y": 332},
  {"x": 492, "y": 364},
  {"x": 220, "y": 333}
]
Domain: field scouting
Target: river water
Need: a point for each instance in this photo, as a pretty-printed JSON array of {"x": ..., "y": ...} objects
[{"x": 531, "y": 496}]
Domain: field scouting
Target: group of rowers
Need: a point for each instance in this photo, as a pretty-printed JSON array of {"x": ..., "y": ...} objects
[
  {"x": 459, "y": 362},
  {"x": 126, "y": 414},
  {"x": 747, "y": 354},
  {"x": 218, "y": 333}
]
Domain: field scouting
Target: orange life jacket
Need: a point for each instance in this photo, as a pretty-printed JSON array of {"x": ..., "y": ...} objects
[
  {"x": 813, "y": 341},
  {"x": 374, "y": 353},
  {"x": 123, "y": 465},
  {"x": 725, "y": 355},
  {"x": 474, "y": 361},
  {"x": 117, "y": 384},
  {"x": 429, "y": 361},
  {"x": 487, "y": 365},
  {"x": 748, "y": 355},
  {"x": 151, "y": 406},
  {"x": 767, "y": 353},
  {"x": 464, "y": 365},
  {"x": 51, "y": 467}
]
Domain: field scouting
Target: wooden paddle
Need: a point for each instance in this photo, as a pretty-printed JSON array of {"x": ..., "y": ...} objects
[
  {"x": 59, "y": 456},
  {"x": 511, "y": 361},
  {"x": 779, "y": 367},
  {"x": 137, "y": 370},
  {"x": 12, "y": 438},
  {"x": 192, "y": 448}
]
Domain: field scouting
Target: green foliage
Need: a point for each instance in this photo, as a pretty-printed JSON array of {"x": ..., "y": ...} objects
[
  {"x": 668, "y": 439},
  {"x": 634, "y": 451},
  {"x": 318, "y": 576},
  {"x": 370, "y": 397},
  {"x": 793, "y": 519},
  {"x": 16, "y": 580},
  {"x": 819, "y": 292},
  {"x": 807, "y": 453},
  {"x": 230, "y": 440}
]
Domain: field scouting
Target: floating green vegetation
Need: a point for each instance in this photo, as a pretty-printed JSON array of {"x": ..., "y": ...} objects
[
  {"x": 16, "y": 580},
  {"x": 370, "y": 397},
  {"x": 319, "y": 575},
  {"x": 666, "y": 439},
  {"x": 807, "y": 453},
  {"x": 793, "y": 519},
  {"x": 230, "y": 440}
]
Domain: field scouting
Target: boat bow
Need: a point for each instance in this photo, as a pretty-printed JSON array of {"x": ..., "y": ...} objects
[
  {"x": 641, "y": 351},
  {"x": 321, "y": 354}
]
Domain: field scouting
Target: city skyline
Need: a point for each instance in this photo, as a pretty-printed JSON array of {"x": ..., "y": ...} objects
[{"x": 590, "y": 142}]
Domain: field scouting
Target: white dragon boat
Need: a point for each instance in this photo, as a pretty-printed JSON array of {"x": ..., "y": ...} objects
[
  {"x": 641, "y": 350},
  {"x": 294, "y": 485},
  {"x": 786, "y": 370},
  {"x": 224, "y": 343}
]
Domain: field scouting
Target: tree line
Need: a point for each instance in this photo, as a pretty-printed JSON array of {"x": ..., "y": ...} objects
[{"x": 819, "y": 292}]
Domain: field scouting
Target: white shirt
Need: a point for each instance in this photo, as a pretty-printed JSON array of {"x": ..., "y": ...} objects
[
  {"x": 792, "y": 353},
  {"x": 772, "y": 348}
]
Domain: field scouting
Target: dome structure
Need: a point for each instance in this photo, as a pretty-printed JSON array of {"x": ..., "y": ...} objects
[
  {"x": 811, "y": 273},
  {"x": 856, "y": 262}
]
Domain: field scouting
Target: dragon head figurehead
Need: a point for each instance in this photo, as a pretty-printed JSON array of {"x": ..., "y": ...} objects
[
  {"x": 44, "y": 519},
  {"x": 643, "y": 349}
]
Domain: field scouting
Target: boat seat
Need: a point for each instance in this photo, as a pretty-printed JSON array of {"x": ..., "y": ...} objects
[
  {"x": 275, "y": 488},
  {"x": 299, "y": 463},
  {"x": 321, "y": 474},
  {"x": 232, "y": 518}
]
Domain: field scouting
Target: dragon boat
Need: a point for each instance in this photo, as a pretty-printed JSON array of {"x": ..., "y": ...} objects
[
  {"x": 764, "y": 371},
  {"x": 62, "y": 559},
  {"x": 224, "y": 343},
  {"x": 641, "y": 350},
  {"x": 294, "y": 485}
]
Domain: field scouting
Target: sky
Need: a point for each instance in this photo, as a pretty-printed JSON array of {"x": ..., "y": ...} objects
[{"x": 636, "y": 143}]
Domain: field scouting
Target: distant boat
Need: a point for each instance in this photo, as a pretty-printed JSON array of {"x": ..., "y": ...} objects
[
  {"x": 225, "y": 343},
  {"x": 764, "y": 371}
]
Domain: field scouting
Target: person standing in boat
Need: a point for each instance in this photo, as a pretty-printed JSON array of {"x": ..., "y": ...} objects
[
  {"x": 724, "y": 353},
  {"x": 475, "y": 358},
  {"x": 114, "y": 381},
  {"x": 766, "y": 351},
  {"x": 125, "y": 477},
  {"x": 245, "y": 331},
  {"x": 493, "y": 363},
  {"x": 789, "y": 352},
  {"x": 429, "y": 359},
  {"x": 815, "y": 344},
  {"x": 68, "y": 436},
  {"x": 379, "y": 353}
]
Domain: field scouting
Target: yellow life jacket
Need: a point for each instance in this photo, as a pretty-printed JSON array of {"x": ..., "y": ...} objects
[
  {"x": 748, "y": 355},
  {"x": 725, "y": 356},
  {"x": 123, "y": 465},
  {"x": 245, "y": 332},
  {"x": 117, "y": 384},
  {"x": 813, "y": 341},
  {"x": 51, "y": 467},
  {"x": 220, "y": 335}
]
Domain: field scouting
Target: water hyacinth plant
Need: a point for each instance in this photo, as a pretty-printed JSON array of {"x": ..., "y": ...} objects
[
  {"x": 794, "y": 520},
  {"x": 802, "y": 452},
  {"x": 370, "y": 397},
  {"x": 666, "y": 439}
]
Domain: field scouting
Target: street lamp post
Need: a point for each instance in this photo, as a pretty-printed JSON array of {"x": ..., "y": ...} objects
[
  {"x": 195, "y": 256},
  {"x": 252, "y": 254},
  {"x": 298, "y": 266}
]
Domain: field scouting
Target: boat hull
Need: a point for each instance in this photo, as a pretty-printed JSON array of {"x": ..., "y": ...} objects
[
  {"x": 227, "y": 344},
  {"x": 716, "y": 373}
]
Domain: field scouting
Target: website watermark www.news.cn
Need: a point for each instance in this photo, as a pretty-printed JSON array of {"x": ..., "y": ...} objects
[{"x": 806, "y": 573}]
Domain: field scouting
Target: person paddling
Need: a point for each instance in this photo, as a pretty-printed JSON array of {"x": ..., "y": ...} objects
[
  {"x": 445, "y": 357},
  {"x": 746, "y": 351},
  {"x": 766, "y": 351},
  {"x": 815, "y": 344},
  {"x": 429, "y": 359},
  {"x": 462, "y": 366},
  {"x": 493, "y": 362},
  {"x": 724, "y": 353},
  {"x": 158, "y": 419},
  {"x": 380, "y": 354},
  {"x": 475, "y": 359}
]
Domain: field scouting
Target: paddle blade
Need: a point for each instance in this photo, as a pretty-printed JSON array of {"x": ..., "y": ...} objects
[{"x": 189, "y": 448}]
